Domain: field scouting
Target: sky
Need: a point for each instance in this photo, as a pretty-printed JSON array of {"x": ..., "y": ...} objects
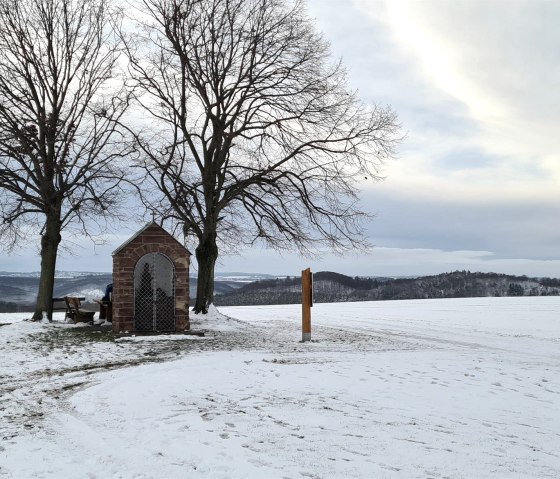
[{"x": 476, "y": 181}]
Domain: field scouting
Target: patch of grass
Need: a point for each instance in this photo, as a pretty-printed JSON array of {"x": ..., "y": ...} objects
[
  {"x": 57, "y": 338},
  {"x": 89, "y": 335}
]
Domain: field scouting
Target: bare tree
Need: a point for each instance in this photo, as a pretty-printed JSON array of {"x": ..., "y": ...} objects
[
  {"x": 255, "y": 134},
  {"x": 60, "y": 100}
]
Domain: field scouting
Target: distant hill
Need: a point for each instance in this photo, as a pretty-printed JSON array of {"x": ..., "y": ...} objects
[
  {"x": 331, "y": 287},
  {"x": 18, "y": 291}
]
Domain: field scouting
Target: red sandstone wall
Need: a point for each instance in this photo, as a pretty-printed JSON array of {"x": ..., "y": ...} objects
[{"x": 153, "y": 239}]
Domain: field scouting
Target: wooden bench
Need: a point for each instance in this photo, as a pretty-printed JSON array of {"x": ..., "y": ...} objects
[
  {"x": 59, "y": 304},
  {"x": 75, "y": 312}
]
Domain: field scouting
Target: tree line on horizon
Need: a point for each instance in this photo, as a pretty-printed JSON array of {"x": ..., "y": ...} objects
[
  {"x": 227, "y": 120},
  {"x": 335, "y": 287}
]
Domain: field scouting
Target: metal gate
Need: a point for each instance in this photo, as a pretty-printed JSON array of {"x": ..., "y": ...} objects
[{"x": 154, "y": 293}]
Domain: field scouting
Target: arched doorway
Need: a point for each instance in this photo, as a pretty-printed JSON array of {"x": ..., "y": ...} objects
[{"x": 154, "y": 293}]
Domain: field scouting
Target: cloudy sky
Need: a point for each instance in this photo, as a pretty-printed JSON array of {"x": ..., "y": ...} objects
[{"x": 476, "y": 184}]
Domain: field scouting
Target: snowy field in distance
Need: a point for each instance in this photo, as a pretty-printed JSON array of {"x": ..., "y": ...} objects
[{"x": 460, "y": 388}]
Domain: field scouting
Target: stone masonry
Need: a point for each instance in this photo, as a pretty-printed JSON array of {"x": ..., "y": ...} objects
[{"x": 151, "y": 239}]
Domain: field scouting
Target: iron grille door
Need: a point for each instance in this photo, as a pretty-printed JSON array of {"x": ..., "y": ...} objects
[
  {"x": 154, "y": 293},
  {"x": 164, "y": 294}
]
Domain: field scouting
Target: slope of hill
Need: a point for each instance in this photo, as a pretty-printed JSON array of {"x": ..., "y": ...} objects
[
  {"x": 18, "y": 291},
  {"x": 331, "y": 287}
]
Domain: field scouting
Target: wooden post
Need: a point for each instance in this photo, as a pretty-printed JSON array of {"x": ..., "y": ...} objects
[{"x": 306, "y": 303}]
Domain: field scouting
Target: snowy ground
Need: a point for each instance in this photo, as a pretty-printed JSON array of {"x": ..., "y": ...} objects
[{"x": 437, "y": 388}]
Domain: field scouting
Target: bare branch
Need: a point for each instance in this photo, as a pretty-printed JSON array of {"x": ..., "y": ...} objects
[
  {"x": 61, "y": 99},
  {"x": 256, "y": 136}
]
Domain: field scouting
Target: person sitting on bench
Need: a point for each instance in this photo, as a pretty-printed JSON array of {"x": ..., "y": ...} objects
[{"x": 105, "y": 301}]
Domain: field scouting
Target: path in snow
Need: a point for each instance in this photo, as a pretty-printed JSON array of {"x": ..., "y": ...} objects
[
  {"x": 42, "y": 364},
  {"x": 454, "y": 388}
]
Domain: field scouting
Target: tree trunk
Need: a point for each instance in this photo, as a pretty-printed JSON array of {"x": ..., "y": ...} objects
[
  {"x": 49, "y": 249},
  {"x": 206, "y": 256}
]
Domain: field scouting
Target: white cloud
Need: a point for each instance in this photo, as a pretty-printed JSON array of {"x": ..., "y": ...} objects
[
  {"x": 475, "y": 84},
  {"x": 500, "y": 61},
  {"x": 438, "y": 57},
  {"x": 383, "y": 261}
]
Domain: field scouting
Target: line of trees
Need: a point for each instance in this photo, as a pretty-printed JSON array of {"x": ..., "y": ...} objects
[
  {"x": 335, "y": 287},
  {"x": 231, "y": 114}
]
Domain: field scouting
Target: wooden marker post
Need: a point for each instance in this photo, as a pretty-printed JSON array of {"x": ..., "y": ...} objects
[{"x": 306, "y": 303}]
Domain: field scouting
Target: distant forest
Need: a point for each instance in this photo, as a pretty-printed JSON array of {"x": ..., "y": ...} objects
[
  {"x": 328, "y": 287},
  {"x": 10, "y": 307},
  {"x": 331, "y": 287}
]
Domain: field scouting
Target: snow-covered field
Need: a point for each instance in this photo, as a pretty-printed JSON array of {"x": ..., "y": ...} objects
[{"x": 465, "y": 388}]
